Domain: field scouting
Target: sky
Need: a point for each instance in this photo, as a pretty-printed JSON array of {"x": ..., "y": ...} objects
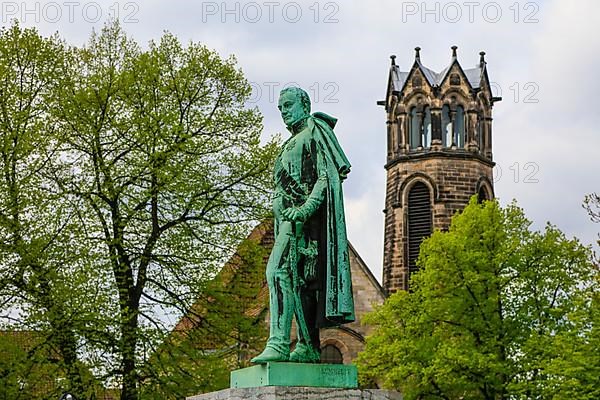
[{"x": 543, "y": 59}]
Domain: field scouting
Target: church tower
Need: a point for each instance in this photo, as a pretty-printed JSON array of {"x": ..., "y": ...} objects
[{"x": 439, "y": 153}]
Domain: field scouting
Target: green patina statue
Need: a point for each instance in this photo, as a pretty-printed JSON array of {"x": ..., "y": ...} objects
[{"x": 308, "y": 271}]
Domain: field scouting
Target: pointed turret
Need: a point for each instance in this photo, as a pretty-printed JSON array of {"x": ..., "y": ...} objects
[{"x": 439, "y": 130}]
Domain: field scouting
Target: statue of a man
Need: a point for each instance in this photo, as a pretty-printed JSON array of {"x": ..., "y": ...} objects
[{"x": 308, "y": 271}]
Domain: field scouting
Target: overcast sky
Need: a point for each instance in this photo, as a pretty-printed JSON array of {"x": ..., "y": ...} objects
[{"x": 543, "y": 57}]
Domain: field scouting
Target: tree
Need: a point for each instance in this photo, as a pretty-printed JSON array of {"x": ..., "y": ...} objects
[
  {"x": 36, "y": 292},
  {"x": 167, "y": 163},
  {"x": 591, "y": 203},
  {"x": 576, "y": 377},
  {"x": 128, "y": 177},
  {"x": 490, "y": 314},
  {"x": 222, "y": 331}
]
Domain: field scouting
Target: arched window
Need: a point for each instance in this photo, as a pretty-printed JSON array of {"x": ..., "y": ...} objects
[
  {"x": 330, "y": 354},
  {"x": 426, "y": 139},
  {"x": 482, "y": 195},
  {"x": 420, "y": 128},
  {"x": 419, "y": 221},
  {"x": 459, "y": 122},
  {"x": 446, "y": 126},
  {"x": 414, "y": 128},
  {"x": 453, "y": 126}
]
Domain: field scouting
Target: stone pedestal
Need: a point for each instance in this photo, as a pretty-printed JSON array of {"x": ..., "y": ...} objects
[
  {"x": 296, "y": 381},
  {"x": 298, "y": 393},
  {"x": 295, "y": 374}
]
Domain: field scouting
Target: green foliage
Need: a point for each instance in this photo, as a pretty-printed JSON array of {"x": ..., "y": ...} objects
[
  {"x": 591, "y": 203},
  {"x": 218, "y": 335},
  {"x": 31, "y": 367},
  {"x": 126, "y": 178},
  {"x": 35, "y": 225},
  {"x": 26, "y": 372},
  {"x": 497, "y": 311}
]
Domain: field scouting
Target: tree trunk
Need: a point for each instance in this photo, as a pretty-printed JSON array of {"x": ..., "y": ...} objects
[{"x": 129, "y": 343}]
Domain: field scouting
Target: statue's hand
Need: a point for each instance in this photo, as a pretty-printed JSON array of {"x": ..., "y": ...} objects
[{"x": 293, "y": 214}]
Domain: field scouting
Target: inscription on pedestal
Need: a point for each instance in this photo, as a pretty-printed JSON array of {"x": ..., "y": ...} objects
[{"x": 334, "y": 371}]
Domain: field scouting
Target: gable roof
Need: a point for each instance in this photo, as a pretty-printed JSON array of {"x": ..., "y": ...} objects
[
  {"x": 397, "y": 79},
  {"x": 367, "y": 271},
  {"x": 235, "y": 266}
]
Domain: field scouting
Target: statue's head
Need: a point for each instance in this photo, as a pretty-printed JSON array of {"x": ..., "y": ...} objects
[{"x": 294, "y": 105}]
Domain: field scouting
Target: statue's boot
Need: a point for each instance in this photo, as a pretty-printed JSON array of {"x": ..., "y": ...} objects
[
  {"x": 269, "y": 354},
  {"x": 304, "y": 353}
]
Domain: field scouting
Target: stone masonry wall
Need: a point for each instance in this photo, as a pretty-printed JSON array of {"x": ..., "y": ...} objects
[{"x": 452, "y": 181}]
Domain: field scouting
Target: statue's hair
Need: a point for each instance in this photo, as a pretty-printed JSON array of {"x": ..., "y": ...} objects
[{"x": 300, "y": 93}]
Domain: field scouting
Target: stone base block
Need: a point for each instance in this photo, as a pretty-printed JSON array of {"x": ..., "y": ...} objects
[
  {"x": 295, "y": 374},
  {"x": 298, "y": 393}
]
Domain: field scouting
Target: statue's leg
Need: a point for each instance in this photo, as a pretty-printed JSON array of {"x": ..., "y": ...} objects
[
  {"x": 308, "y": 349},
  {"x": 281, "y": 299},
  {"x": 309, "y": 303}
]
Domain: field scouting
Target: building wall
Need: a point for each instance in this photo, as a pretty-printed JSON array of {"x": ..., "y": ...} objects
[
  {"x": 439, "y": 133},
  {"x": 350, "y": 338},
  {"x": 452, "y": 178}
]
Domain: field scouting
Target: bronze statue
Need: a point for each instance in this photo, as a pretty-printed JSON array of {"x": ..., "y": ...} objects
[{"x": 308, "y": 271}]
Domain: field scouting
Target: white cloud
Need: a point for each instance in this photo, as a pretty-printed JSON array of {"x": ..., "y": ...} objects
[
  {"x": 559, "y": 53},
  {"x": 364, "y": 218}
]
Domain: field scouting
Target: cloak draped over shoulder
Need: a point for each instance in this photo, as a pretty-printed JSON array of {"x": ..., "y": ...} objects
[
  {"x": 322, "y": 156},
  {"x": 339, "y": 304}
]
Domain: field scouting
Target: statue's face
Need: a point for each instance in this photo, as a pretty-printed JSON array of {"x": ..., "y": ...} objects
[{"x": 291, "y": 108}]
